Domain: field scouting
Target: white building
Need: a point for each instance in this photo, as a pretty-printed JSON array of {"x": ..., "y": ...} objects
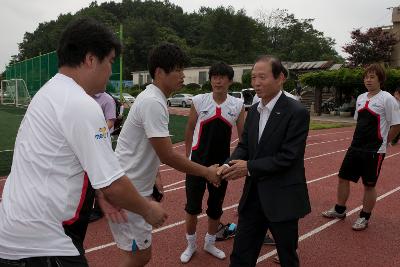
[{"x": 197, "y": 75}]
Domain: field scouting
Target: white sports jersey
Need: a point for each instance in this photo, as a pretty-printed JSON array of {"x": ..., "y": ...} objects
[
  {"x": 212, "y": 133},
  {"x": 147, "y": 118},
  {"x": 374, "y": 117},
  {"x": 62, "y": 137}
]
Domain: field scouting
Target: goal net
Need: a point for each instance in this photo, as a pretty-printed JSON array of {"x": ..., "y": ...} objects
[{"x": 14, "y": 92}]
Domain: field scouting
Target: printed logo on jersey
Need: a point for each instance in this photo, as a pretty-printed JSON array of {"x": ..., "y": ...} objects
[
  {"x": 102, "y": 134},
  {"x": 231, "y": 114},
  {"x": 204, "y": 112}
]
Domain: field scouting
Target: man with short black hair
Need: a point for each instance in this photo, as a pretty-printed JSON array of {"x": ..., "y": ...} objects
[
  {"x": 144, "y": 142},
  {"x": 61, "y": 153},
  {"x": 207, "y": 139}
]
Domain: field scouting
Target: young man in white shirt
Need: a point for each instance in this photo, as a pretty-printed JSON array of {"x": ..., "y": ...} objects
[
  {"x": 61, "y": 153},
  {"x": 378, "y": 122},
  {"x": 144, "y": 142}
]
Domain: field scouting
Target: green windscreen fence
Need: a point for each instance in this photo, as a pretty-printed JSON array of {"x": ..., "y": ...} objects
[{"x": 38, "y": 70}]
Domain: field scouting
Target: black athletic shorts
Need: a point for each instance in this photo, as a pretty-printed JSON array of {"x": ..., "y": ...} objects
[
  {"x": 195, "y": 188},
  {"x": 53, "y": 261},
  {"x": 366, "y": 165}
]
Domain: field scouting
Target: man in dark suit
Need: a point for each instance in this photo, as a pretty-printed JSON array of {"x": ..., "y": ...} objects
[{"x": 271, "y": 156}]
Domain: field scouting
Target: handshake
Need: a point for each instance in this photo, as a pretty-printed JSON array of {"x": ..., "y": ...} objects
[{"x": 234, "y": 170}]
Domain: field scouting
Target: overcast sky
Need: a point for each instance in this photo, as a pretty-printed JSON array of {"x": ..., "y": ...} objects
[{"x": 335, "y": 19}]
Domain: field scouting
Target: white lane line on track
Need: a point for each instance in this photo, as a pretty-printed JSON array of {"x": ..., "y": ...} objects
[
  {"x": 326, "y": 154},
  {"x": 316, "y": 135},
  {"x": 326, "y": 142},
  {"x": 158, "y": 229},
  {"x": 233, "y": 206},
  {"x": 326, "y": 225}
]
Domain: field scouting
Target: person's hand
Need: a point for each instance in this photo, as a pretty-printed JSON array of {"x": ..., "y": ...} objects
[
  {"x": 112, "y": 213},
  {"x": 221, "y": 169},
  {"x": 237, "y": 169},
  {"x": 212, "y": 176},
  {"x": 155, "y": 215}
]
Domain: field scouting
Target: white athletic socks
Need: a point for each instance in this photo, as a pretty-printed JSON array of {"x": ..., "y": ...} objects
[
  {"x": 191, "y": 248},
  {"x": 209, "y": 246}
]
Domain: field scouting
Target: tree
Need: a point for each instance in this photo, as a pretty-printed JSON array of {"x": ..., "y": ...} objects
[
  {"x": 293, "y": 39},
  {"x": 372, "y": 46}
]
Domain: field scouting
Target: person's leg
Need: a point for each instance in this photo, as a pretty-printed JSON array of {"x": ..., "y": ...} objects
[
  {"x": 373, "y": 162},
  {"x": 136, "y": 258},
  {"x": 369, "y": 199},
  {"x": 350, "y": 170},
  {"x": 195, "y": 188},
  {"x": 214, "y": 211},
  {"x": 251, "y": 229},
  {"x": 286, "y": 238},
  {"x": 343, "y": 191}
]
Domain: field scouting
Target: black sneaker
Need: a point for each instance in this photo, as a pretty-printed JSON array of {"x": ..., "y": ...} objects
[
  {"x": 226, "y": 231},
  {"x": 269, "y": 240}
]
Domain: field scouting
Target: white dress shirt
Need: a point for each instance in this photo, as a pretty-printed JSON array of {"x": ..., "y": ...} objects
[{"x": 265, "y": 111}]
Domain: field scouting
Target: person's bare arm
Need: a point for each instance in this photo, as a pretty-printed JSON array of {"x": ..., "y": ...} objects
[
  {"x": 190, "y": 126},
  {"x": 110, "y": 123},
  {"x": 393, "y": 132},
  {"x": 121, "y": 193},
  {"x": 163, "y": 148}
]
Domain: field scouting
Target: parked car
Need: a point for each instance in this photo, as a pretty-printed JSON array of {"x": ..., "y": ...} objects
[
  {"x": 246, "y": 95},
  {"x": 183, "y": 100},
  {"x": 126, "y": 97}
]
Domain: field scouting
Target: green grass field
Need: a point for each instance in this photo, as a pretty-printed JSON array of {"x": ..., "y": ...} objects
[{"x": 11, "y": 117}]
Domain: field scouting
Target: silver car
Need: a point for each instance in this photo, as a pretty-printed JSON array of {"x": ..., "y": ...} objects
[{"x": 183, "y": 100}]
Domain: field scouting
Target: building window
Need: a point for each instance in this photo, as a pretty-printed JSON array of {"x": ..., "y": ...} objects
[{"x": 202, "y": 77}]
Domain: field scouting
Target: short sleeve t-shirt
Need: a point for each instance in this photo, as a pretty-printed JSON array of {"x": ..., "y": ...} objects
[
  {"x": 147, "y": 118},
  {"x": 62, "y": 148},
  {"x": 213, "y": 130},
  {"x": 374, "y": 117}
]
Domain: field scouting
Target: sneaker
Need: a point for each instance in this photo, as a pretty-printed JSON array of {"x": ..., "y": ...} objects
[
  {"x": 332, "y": 213},
  {"x": 226, "y": 231},
  {"x": 268, "y": 240},
  {"x": 360, "y": 224},
  {"x": 213, "y": 250},
  {"x": 187, "y": 254}
]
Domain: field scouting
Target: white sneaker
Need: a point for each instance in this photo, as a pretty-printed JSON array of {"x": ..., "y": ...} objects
[
  {"x": 187, "y": 254},
  {"x": 360, "y": 224},
  {"x": 213, "y": 250}
]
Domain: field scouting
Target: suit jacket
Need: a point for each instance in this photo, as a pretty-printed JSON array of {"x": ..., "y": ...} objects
[{"x": 276, "y": 162}]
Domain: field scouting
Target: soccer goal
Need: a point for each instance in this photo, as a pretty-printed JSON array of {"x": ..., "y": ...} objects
[{"x": 14, "y": 92}]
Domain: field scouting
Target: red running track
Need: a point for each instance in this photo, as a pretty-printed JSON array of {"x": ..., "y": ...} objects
[{"x": 322, "y": 241}]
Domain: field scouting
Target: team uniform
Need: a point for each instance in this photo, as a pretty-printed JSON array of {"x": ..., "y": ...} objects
[
  {"x": 147, "y": 118},
  {"x": 62, "y": 153},
  {"x": 374, "y": 117},
  {"x": 210, "y": 145}
]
